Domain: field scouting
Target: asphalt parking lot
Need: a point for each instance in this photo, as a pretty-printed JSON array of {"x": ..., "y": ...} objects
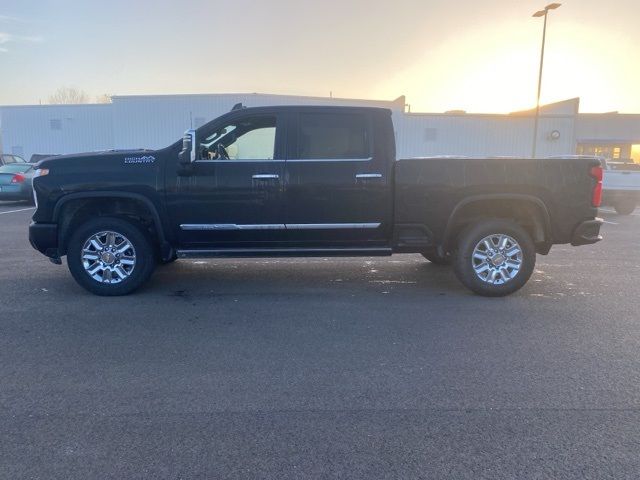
[{"x": 322, "y": 368}]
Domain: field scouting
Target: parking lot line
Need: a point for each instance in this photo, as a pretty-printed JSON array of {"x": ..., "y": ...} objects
[{"x": 16, "y": 211}]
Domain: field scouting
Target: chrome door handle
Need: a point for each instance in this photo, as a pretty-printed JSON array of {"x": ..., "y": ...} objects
[
  {"x": 266, "y": 177},
  {"x": 362, "y": 176}
]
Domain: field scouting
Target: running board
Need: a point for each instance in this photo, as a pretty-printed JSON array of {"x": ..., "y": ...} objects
[{"x": 286, "y": 252}]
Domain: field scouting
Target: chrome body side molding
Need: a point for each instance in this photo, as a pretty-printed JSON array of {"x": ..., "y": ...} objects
[
  {"x": 331, "y": 226},
  {"x": 278, "y": 226},
  {"x": 230, "y": 226}
]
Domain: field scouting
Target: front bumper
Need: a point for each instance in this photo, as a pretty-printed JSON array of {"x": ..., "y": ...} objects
[
  {"x": 587, "y": 233},
  {"x": 44, "y": 238}
]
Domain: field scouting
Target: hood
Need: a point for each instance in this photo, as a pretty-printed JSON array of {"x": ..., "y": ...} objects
[{"x": 81, "y": 161}]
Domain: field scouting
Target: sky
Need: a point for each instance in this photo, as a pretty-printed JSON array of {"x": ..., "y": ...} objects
[{"x": 473, "y": 55}]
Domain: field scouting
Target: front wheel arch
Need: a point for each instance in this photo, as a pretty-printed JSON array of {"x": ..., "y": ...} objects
[{"x": 74, "y": 209}]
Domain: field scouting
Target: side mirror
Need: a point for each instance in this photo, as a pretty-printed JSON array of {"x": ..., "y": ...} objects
[{"x": 188, "y": 153}]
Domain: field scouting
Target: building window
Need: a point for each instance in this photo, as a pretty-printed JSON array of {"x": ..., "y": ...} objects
[
  {"x": 612, "y": 152},
  {"x": 55, "y": 124},
  {"x": 616, "y": 153}
]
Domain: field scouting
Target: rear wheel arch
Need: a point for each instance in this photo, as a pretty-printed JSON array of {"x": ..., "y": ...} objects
[{"x": 528, "y": 211}]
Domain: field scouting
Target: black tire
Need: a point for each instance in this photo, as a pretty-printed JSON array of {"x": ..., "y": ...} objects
[
  {"x": 169, "y": 261},
  {"x": 144, "y": 256},
  {"x": 434, "y": 257},
  {"x": 625, "y": 208},
  {"x": 472, "y": 236}
]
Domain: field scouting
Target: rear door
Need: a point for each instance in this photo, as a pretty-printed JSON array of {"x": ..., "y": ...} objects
[{"x": 338, "y": 179}]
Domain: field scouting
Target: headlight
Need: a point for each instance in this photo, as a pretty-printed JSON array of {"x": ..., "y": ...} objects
[{"x": 40, "y": 172}]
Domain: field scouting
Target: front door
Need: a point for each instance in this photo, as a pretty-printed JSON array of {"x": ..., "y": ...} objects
[{"x": 232, "y": 195}]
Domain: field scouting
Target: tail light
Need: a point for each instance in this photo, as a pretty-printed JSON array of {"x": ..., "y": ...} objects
[
  {"x": 18, "y": 178},
  {"x": 596, "y": 195}
]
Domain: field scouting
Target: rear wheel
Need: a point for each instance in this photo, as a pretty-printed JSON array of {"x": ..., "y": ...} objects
[
  {"x": 495, "y": 258},
  {"x": 625, "y": 208},
  {"x": 110, "y": 256}
]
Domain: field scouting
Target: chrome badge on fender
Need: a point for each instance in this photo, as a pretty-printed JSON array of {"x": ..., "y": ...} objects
[{"x": 139, "y": 160}]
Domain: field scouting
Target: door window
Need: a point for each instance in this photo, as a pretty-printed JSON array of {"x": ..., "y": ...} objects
[
  {"x": 8, "y": 159},
  {"x": 251, "y": 138},
  {"x": 333, "y": 136}
]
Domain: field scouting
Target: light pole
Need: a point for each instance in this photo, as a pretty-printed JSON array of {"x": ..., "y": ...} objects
[{"x": 542, "y": 13}]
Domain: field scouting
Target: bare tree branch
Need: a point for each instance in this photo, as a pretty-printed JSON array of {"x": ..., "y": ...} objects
[
  {"x": 69, "y": 95},
  {"x": 104, "y": 98}
]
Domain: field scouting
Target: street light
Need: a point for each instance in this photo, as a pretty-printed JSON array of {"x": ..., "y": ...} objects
[{"x": 541, "y": 13}]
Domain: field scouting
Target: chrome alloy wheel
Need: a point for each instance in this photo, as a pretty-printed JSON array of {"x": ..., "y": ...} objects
[
  {"x": 497, "y": 259},
  {"x": 108, "y": 257}
]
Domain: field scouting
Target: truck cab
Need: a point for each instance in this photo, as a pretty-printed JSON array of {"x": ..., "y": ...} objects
[{"x": 282, "y": 177}]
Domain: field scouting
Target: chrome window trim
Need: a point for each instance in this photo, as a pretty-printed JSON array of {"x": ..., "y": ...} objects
[
  {"x": 312, "y": 160},
  {"x": 292, "y": 160},
  {"x": 241, "y": 161}
]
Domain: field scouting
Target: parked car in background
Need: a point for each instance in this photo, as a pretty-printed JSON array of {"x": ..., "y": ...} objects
[
  {"x": 8, "y": 159},
  {"x": 621, "y": 186},
  {"x": 15, "y": 182}
]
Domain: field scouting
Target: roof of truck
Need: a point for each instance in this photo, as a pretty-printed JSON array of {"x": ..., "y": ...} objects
[{"x": 311, "y": 107}]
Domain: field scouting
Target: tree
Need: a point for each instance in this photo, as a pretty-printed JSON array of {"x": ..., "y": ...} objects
[
  {"x": 104, "y": 98},
  {"x": 69, "y": 95}
]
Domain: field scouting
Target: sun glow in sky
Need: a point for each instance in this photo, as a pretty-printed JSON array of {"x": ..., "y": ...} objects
[
  {"x": 443, "y": 55},
  {"x": 501, "y": 76}
]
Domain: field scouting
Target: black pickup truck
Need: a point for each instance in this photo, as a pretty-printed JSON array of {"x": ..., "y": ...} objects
[{"x": 307, "y": 181}]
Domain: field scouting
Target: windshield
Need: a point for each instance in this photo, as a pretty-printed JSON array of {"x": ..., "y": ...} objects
[{"x": 15, "y": 168}]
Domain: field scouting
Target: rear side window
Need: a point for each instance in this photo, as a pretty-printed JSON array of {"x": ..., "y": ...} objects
[{"x": 327, "y": 136}]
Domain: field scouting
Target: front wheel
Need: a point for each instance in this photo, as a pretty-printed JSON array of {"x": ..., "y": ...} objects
[
  {"x": 110, "y": 256},
  {"x": 495, "y": 257},
  {"x": 625, "y": 208}
]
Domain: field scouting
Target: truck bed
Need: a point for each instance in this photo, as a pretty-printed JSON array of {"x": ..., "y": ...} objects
[{"x": 429, "y": 190}]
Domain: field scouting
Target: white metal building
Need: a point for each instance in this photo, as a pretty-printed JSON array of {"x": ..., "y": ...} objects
[{"x": 154, "y": 121}]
